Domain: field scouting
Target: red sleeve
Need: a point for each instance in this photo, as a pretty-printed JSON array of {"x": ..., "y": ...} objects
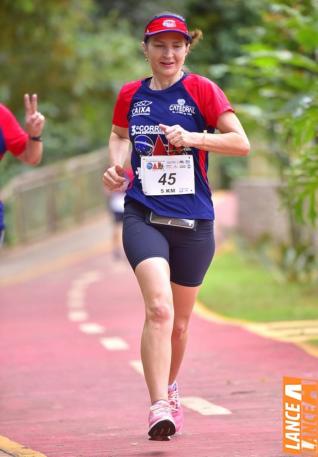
[
  {"x": 15, "y": 138},
  {"x": 210, "y": 99},
  {"x": 121, "y": 110},
  {"x": 216, "y": 103}
]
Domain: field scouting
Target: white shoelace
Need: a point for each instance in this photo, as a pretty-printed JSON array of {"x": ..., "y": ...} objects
[{"x": 160, "y": 407}]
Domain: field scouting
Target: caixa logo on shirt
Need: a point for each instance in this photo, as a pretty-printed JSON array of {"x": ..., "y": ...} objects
[
  {"x": 181, "y": 108},
  {"x": 141, "y": 108}
]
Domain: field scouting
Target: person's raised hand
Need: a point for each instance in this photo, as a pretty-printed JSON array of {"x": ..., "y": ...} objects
[{"x": 34, "y": 120}]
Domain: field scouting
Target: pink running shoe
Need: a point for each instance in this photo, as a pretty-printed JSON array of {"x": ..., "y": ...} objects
[
  {"x": 161, "y": 423},
  {"x": 175, "y": 405}
]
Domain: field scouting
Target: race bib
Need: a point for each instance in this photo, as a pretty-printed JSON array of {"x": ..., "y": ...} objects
[{"x": 167, "y": 175}]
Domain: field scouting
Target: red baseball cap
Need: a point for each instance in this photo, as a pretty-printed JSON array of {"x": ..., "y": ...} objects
[{"x": 167, "y": 23}]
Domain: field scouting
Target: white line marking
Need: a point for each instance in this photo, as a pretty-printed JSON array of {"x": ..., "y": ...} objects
[
  {"x": 137, "y": 366},
  {"x": 197, "y": 404},
  {"x": 91, "y": 328},
  {"x": 93, "y": 276},
  {"x": 114, "y": 344},
  {"x": 76, "y": 297},
  {"x": 77, "y": 316},
  {"x": 204, "y": 407},
  {"x": 75, "y": 300},
  {"x": 77, "y": 291}
]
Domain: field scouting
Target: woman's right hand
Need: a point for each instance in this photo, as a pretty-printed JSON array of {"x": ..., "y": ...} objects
[
  {"x": 34, "y": 120},
  {"x": 114, "y": 178}
]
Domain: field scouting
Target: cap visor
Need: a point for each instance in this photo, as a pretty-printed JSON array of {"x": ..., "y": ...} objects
[{"x": 189, "y": 38}]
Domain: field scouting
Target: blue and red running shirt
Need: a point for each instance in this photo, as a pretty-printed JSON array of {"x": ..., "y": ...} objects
[
  {"x": 195, "y": 103},
  {"x": 12, "y": 136}
]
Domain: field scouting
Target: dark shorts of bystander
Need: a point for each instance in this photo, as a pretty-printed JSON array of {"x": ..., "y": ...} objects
[{"x": 118, "y": 217}]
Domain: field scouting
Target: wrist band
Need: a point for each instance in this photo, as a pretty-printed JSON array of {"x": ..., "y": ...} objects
[{"x": 35, "y": 138}]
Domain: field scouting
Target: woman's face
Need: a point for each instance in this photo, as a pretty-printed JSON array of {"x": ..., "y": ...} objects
[{"x": 166, "y": 53}]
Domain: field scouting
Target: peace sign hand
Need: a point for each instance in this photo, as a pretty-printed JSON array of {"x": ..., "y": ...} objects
[{"x": 34, "y": 121}]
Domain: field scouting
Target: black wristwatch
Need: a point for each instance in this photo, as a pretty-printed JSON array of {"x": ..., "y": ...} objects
[{"x": 35, "y": 138}]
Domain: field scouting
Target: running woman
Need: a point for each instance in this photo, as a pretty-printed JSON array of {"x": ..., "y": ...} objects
[
  {"x": 26, "y": 144},
  {"x": 169, "y": 119}
]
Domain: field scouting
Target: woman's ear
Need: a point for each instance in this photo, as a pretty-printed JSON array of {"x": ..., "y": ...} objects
[{"x": 144, "y": 50}]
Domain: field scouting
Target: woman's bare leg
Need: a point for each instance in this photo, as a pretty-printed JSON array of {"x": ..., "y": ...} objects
[
  {"x": 154, "y": 280},
  {"x": 183, "y": 301}
]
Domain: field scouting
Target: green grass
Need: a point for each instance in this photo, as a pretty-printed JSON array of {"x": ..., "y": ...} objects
[
  {"x": 313, "y": 342},
  {"x": 242, "y": 288}
]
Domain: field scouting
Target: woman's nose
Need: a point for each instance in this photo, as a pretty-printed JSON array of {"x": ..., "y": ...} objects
[{"x": 167, "y": 51}]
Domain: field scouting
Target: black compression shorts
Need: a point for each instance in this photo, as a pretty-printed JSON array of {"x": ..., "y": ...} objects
[{"x": 188, "y": 252}]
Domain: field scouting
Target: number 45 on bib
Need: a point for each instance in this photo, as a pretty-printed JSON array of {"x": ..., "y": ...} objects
[{"x": 167, "y": 175}]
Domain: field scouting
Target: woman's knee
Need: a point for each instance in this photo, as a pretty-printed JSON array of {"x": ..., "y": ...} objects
[
  {"x": 180, "y": 329},
  {"x": 159, "y": 308}
]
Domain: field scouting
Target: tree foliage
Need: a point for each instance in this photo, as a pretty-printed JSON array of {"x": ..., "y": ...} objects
[
  {"x": 138, "y": 12},
  {"x": 278, "y": 77},
  {"x": 75, "y": 59},
  {"x": 225, "y": 25}
]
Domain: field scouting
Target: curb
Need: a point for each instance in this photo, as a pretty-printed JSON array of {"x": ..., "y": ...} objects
[
  {"x": 11, "y": 448},
  {"x": 261, "y": 329}
]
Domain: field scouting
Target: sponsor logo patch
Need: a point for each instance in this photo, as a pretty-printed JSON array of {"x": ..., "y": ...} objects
[
  {"x": 141, "y": 108},
  {"x": 145, "y": 130},
  {"x": 181, "y": 108},
  {"x": 169, "y": 23}
]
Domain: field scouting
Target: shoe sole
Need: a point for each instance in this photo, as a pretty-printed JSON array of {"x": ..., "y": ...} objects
[{"x": 162, "y": 430}]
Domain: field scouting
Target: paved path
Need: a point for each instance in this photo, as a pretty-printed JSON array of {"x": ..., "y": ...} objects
[{"x": 70, "y": 377}]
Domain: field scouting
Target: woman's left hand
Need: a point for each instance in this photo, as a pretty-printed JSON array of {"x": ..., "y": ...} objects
[{"x": 176, "y": 135}]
